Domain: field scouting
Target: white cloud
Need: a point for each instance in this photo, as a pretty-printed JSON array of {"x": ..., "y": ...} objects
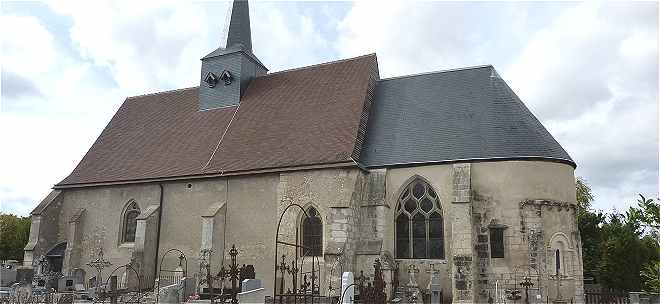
[
  {"x": 281, "y": 31},
  {"x": 414, "y": 37},
  {"x": 146, "y": 46},
  {"x": 56, "y": 101},
  {"x": 593, "y": 75},
  {"x": 588, "y": 70},
  {"x": 44, "y": 135}
]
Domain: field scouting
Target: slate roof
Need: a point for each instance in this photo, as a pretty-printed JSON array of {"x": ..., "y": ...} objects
[
  {"x": 305, "y": 116},
  {"x": 464, "y": 114},
  {"x": 318, "y": 115}
]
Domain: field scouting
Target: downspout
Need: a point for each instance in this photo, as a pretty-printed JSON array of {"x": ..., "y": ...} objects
[{"x": 160, "y": 218}]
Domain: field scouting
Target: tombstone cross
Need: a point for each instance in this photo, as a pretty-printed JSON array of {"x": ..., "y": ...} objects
[
  {"x": 527, "y": 283},
  {"x": 558, "y": 278},
  {"x": 283, "y": 268},
  {"x": 412, "y": 271},
  {"x": 99, "y": 264},
  {"x": 293, "y": 271}
]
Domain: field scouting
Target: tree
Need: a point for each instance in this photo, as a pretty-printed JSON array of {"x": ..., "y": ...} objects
[
  {"x": 647, "y": 215},
  {"x": 619, "y": 250},
  {"x": 584, "y": 196},
  {"x": 624, "y": 253},
  {"x": 589, "y": 224},
  {"x": 14, "y": 235},
  {"x": 651, "y": 277}
]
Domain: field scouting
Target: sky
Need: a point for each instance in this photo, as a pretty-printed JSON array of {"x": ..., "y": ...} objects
[{"x": 588, "y": 71}]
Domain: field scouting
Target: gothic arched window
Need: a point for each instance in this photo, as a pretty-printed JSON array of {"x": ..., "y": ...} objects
[
  {"x": 419, "y": 231},
  {"x": 312, "y": 231},
  {"x": 129, "y": 222}
]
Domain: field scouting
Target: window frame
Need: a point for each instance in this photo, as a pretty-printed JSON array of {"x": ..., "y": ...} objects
[
  {"x": 316, "y": 251},
  {"x": 491, "y": 244},
  {"x": 131, "y": 207},
  {"x": 430, "y": 215}
]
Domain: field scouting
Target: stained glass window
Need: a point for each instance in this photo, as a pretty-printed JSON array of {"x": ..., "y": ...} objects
[
  {"x": 419, "y": 231},
  {"x": 130, "y": 222},
  {"x": 312, "y": 230}
]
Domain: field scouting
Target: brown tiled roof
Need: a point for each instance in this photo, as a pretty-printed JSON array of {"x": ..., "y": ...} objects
[{"x": 300, "y": 117}]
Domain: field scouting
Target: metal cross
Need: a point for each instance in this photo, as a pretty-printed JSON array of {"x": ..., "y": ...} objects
[
  {"x": 99, "y": 264},
  {"x": 293, "y": 271},
  {"x": 412, "y": 271},
  {"x": 283, "y": 268},
  {"x": 527, "y": 283},
  {"x": 432, "y": 269},
  {"x": 558, "y": 277}
]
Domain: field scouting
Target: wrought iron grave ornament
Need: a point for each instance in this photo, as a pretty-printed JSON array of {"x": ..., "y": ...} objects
[{"x": 99, "y": 264}]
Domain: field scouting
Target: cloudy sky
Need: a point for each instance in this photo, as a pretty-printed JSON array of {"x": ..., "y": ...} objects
[{"x": 589, "y": 71}]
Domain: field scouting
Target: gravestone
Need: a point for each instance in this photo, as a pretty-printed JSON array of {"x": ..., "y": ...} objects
[
  {"x": 24, "y": 274},
  {"x": 347, "y": 289},
  {"x": 250, "y": 284},
  {"x": 7, "y": 276},
  {"x": 170, "y": 294},
  {"x": 251, "y": 296},
  {"x": 412, "y": 272},
  {"x": 413, "y": 292},
  {"x": 66, "y": 283},
  {"x": 113, "y": 289},
  {"x": 435, "y": 287}
]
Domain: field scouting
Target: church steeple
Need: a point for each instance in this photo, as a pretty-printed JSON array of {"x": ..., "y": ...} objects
[
  {"x": 239, "y": 26},
  {"x": 227, "y": 72}
]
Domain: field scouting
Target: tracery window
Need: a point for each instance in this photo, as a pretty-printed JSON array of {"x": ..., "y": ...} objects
[
  {"x": 419, "y": 231},
  {"x": 312, "y": 230},
  {"x": 129, "y": 224}
]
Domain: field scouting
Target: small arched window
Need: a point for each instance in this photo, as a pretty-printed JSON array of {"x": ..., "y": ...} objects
[
  {"x": 312, "y": 231},
  {"x": 557, "y": 262},
  {"x": 419, "y": 230},
  {"x": 129, "y": 223}
]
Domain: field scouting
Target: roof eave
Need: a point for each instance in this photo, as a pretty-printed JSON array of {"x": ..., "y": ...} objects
[
  {"x": 473, "y": 160},
  {"x": 342, "y": 164}
]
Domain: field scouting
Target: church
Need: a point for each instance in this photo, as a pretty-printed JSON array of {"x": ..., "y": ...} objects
[{"x": 445, "y": 173}]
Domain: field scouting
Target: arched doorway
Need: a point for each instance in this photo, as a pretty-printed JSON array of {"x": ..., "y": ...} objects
[{"x": 55, "y": 257}]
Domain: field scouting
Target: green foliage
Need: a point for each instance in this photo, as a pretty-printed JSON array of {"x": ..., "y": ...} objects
[
  {"x": 651, "y": 277},
  {"x": 583, "y": 194},
  {"x": 624, "y": 252},
  {"x": 14, "y": 235},
  {"x": 647, "y": 215},
  {"x": 618, "y": 248}
]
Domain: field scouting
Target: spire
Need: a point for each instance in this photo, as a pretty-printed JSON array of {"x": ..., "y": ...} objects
[{"x": 239, "y": 26}]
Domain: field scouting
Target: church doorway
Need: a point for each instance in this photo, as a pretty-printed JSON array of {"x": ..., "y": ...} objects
[{"x": 55, "y": 257}]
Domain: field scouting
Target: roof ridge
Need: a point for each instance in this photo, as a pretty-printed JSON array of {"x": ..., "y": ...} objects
[
  {"x": 162, "y": 92},
  {"x": 440, "y": 71},
  {"x": 319, "y": 64}
]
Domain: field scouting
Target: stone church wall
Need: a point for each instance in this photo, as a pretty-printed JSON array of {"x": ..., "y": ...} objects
[
  {"x": 531, "y": 200},
  {"x": 497, "y": 189},
  {"x": 184, "y": 203},
  {"x": 100, "y": 215},
  {"x": 440, "y": 178},
  {"x": 500, "y": 188}
]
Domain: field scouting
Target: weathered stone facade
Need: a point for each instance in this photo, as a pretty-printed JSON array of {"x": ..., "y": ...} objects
[{"x": 533, "y": 201}]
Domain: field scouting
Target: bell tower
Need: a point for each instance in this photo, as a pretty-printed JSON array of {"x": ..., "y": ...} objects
[{"x": 227, "y": 72}]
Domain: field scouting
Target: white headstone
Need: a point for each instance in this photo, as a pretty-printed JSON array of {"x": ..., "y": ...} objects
[
  {"x": 346, "y": 291},
  {"x": 250, "y": 284},
  {"x": 434, "y": 286},
  {"x": 252, "y": 296}
]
